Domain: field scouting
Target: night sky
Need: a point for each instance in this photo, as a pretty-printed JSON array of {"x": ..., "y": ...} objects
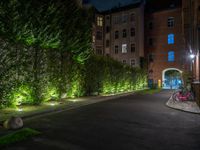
[{"x": 107, "y": 4}]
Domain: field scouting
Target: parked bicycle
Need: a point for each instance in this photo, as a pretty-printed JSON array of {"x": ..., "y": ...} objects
[{"x": 183, "y": 94}]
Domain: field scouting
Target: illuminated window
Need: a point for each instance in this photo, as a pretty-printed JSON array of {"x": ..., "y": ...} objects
[
  {"x": 100, "y": 21},
  {"x": 170, "y": 22},
  {"x": 124, "y": 48},
  {"x": 170, "y": 38},
  {"x": 171, "y": 56}
]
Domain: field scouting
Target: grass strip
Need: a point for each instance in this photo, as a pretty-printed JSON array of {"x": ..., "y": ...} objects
[{"x": 17, "y": 136}]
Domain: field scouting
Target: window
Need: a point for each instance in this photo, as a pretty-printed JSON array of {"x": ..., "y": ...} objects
[
  {"x": 99, "y": 35},
  {"x": 171, "y": 56},
  {"x": 99, "y": 50},
  {"x": 107, "y": 43},
  {"x": 132, "y": 48},
  {"x": 132, "y": 18},
  {"x": 116, "y": 20},
  {"x": 132, "y": 31},
  {"x": 116, "y": 34},
  {"x": 124, "y": 48},
  {"x": 124, "y": 61},
  {"x": 107, "y": 17},
  {"x": 124, "y": 33},
  {"x": 116, "y": 49},
  {"x": 100, "y": 21},
  {"x": 150, "y": 57},
  {"x": 170, "y": 38},
  {"x": 93, "y": 39},
  {"x": 132, "y": 62},
  {"x": 150, "y": 25},
  {"x": 170, "y": 22},
  {"x": 150, "y": 42},
  {"x": 124, "y": 18},
  {"x": 107, "y": 29}
]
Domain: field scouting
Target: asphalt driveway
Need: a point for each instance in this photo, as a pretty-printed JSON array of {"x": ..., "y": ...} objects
[{"x": 135, "y": 122}]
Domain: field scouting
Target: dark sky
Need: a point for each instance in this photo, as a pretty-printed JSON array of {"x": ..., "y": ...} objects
[{"x": 107, "y": 4}]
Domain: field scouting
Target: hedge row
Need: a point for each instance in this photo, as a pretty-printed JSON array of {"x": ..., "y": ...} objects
[{"x": 30, "y": 75}]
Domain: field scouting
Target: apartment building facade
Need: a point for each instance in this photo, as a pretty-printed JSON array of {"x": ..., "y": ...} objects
[
  {"x": 98, "y": 34},
  {"x": 119, "y": 33}
]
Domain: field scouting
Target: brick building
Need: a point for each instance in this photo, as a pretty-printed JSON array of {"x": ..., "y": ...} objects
[
  {"x": 191, "y": 32},
  {"x": 164, "y": 43}
]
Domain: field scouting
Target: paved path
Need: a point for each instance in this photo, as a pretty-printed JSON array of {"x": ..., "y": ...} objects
[{"x": 135, "y": 122}]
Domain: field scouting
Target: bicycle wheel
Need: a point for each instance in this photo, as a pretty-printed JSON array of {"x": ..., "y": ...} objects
[{"x": 176, "y": 96}]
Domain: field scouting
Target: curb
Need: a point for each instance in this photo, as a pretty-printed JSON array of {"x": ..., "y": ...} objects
[
  {"x": 179, "y": 109},
  {"x": 101, "y": 99},
  {"x": 89, "y": 101}
]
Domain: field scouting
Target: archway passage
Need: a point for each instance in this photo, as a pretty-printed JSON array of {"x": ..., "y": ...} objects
[{"x": 171, "y": 78}]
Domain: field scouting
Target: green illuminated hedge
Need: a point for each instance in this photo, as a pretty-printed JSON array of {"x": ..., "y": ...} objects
[
  {"x": 105, "y": 75},
  {"x": 58, "y": 75},
  {"x": 45, "y": 49}
]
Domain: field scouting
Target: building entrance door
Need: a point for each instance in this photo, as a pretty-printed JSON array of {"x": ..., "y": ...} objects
[{"x": 172, "y": 78}]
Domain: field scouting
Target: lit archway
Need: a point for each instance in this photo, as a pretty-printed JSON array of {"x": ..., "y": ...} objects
[{"x": 171, "y": 78}]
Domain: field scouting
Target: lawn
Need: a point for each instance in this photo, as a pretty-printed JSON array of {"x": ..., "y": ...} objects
[{"x": 17, "y": 136}]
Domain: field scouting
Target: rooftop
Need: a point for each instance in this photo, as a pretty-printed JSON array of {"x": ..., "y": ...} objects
[
  {"x": 156, "y": 5},
  {"x": 122, "y": 8}
]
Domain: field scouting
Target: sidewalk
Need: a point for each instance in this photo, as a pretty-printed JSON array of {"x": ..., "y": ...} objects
[
  {"x": 188, "y": 106},
  {"x": 28, "y": 112}
]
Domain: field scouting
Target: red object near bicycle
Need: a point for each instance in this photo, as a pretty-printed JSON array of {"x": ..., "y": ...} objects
[{"x": 183, "y": 96}]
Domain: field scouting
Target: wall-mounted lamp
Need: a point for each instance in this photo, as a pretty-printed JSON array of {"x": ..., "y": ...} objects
[{"x": 192, "y": 56}]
